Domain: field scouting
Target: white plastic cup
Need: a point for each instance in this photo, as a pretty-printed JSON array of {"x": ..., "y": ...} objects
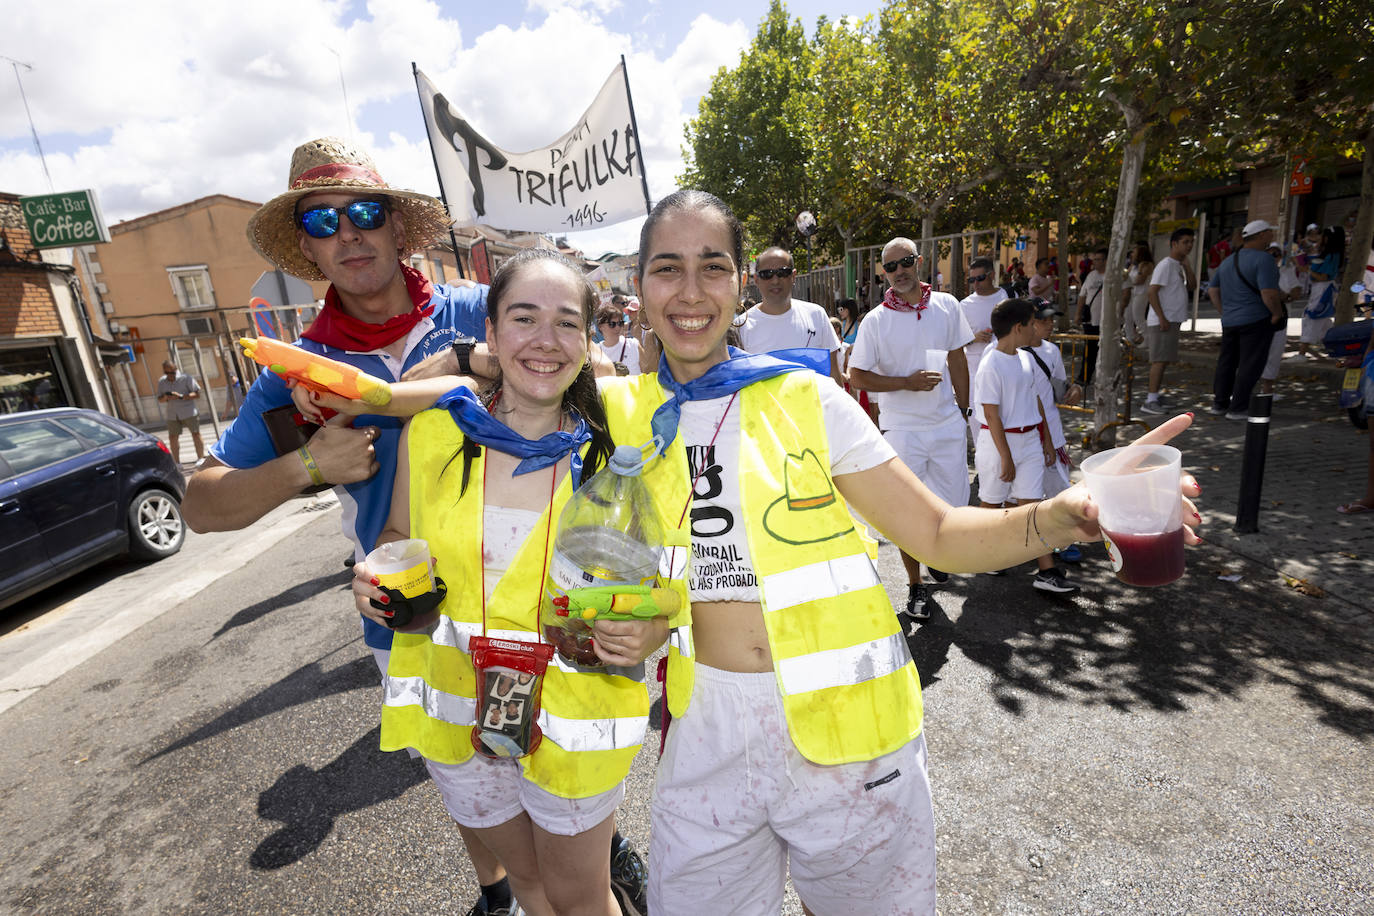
[
  {"x": 1140, "y": 511},
  {"x": 403, "y": 566}
]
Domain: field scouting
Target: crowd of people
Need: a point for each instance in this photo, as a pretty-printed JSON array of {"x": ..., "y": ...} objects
[{"x": 796, "y": 743}]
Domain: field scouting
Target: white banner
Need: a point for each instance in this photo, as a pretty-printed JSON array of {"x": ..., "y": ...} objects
[{"x": 591, "y": 176}]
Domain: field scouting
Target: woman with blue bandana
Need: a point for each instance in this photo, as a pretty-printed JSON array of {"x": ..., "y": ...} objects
[
  {"x": 796, "y": 740},
  {"x": 483, "y": 478}
]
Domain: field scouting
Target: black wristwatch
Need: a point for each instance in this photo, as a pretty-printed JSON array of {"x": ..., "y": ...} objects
[{"x": 462, "y": 348}]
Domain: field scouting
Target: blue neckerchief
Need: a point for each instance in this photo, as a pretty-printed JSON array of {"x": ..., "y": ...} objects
[
  {"x": 739, "y": 371},
  {"x": 484, "y": 429}
]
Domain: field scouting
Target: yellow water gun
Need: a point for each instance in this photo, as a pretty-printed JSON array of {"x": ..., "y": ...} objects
[
  {"x": 316, "y": 372},
  {"x": 617, "y": 602}
]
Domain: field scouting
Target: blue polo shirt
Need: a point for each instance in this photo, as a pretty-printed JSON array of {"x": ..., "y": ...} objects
[
  {"x": 366, "y": 504},
  {"x": 1240, "y": 304}
]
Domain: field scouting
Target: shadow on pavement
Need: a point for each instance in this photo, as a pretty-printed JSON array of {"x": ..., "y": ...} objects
[
  {"x": 1140, "y": 648},
  {"x": 307, "y": 801},
  {"x": 304, "y": 685},
  {"x": 294, "y": 595}
]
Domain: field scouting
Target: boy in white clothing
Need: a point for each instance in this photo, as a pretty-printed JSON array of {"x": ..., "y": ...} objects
[
  {"x": 1052, "y": 385},
  {"x": 1013, "y": 448}
]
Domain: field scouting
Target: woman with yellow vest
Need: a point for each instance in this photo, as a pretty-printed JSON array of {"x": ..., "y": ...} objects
[
  {"x": 483, "y": 479},
  {"x": 796, "y": 738}
]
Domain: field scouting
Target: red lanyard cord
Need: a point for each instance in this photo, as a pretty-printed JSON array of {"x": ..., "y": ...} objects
[{"x": 548, "y": 537}]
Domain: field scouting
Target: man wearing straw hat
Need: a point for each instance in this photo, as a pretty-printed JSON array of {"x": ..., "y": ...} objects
[{"x": 339, "y": 221}]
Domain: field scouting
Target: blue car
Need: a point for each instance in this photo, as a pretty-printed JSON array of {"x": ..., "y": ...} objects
[{"x": 78, "y": 487}]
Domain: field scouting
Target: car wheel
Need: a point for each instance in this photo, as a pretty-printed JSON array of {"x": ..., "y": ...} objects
[{"x": 155, "y": 526}]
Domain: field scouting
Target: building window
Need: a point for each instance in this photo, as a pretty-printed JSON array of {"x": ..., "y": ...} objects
[
  {"x": 191, "y": 286},
  {"x": 438, "y": 269},
  {"x": 198, "y": 326}
]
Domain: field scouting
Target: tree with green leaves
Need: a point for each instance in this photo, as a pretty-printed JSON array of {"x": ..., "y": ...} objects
[{"x": 749, "y": 142}]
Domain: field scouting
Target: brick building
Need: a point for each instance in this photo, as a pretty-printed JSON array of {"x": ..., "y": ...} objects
[{"x": 48, "y": 355}]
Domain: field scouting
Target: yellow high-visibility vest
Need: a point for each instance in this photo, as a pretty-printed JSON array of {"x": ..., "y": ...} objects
[
  {"x": 850, "y": 689},
  {"x": 593, "y": 721}
]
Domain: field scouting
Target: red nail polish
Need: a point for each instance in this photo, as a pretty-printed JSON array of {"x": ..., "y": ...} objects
[
  {"x": 1190, "y": 414},
  {"x": 388, "y": 613},
  {"x": 374, "y": 581},
  {"x": 385, "y": 599}
]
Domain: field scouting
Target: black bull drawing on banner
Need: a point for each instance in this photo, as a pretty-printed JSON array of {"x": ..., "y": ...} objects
[{"x": 533, "y": 186}]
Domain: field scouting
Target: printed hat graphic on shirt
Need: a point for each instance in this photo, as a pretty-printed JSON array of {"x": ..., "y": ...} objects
[{"x": 807, "y": 488}]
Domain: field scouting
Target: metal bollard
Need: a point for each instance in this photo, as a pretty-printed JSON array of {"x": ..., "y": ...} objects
[{"x": 1252, "y": 463}]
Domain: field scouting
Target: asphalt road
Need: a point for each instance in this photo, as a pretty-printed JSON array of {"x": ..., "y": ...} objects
[{"x": 1202, "y": 748}]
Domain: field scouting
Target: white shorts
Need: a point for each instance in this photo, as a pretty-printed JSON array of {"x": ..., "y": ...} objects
[
  {"x": 736, "y": 803},
  {"x": 482, "y": 792},
  {"x": 938, "y": 457},
  {"x": 1056, "y": 478},
  {"x": 1029, "y": 458},
  {"x": 1271, "y": 365}
]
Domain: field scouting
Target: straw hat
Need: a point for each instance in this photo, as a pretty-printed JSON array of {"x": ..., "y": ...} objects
[{"x": 329, "y": 163}]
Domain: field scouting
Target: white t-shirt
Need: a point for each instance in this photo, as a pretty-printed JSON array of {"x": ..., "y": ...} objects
[
  {"x": 504, "y": 532},
  {"x": 896, "y": 343},
  {"x": 805, "y": 324},
  {"x": 1044, "y": 388},
  {"x": 1092, "y": 293},
  {"x": 1173, "y": 292},
  {"x": 722, "y": 566},
  {"x": 627, "y": 352},
  {"x": 1008, "y": 381},
  {"x": 978, "y": 312}
]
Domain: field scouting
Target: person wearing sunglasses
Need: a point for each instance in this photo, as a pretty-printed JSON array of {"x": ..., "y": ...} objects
[
  {"x": 340, "y": 222},
  {"x": 780, "y": 322},
  {"x": 983, "y": 296},
  {"x": 910, "y": 354},
  {"x": 620, "y": 348}
]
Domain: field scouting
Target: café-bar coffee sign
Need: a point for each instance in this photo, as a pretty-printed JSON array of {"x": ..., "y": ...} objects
[{"x": 64, "y": 220}]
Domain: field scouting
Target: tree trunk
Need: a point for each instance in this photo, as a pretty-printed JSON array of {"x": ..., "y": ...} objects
[
  {"x": 927, "y": 243},
  {"x": 956, "y": 266},
  {"x": 1107, "y": 376},
  {"x": 1062, "y": 252},
  {"x": 1361, "y": 240}
]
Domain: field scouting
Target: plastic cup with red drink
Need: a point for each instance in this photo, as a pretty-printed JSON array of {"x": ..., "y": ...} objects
[{"x": 1136, "y": 489}]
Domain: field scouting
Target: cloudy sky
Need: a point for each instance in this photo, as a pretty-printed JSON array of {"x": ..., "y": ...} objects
[{"x": 154, "y": 103}]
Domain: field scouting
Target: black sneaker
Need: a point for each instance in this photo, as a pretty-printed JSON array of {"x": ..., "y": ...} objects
[
  {"x": 1054, "y": 580},
  {"x": 938, "y": 576},
  {"x": 1155, "y": 407},
  {"x": 480, "y": 908},
  {"x": 629, "y": 877},
  {"x": 917, "y": 596}
]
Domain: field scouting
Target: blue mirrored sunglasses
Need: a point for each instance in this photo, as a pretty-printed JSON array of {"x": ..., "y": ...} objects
[{"x": 322, "y": 222}]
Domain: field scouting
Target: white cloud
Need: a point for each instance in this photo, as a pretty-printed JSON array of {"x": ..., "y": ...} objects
[{"x": 178, "y": 102}]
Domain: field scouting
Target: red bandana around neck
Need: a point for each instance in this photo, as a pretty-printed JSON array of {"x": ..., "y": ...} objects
[
  {"x": 334, "y": 327},
  {"x": 891, "y": 300}
]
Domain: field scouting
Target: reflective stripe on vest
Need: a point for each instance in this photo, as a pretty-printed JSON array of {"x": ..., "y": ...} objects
[
  {"x": 680, "y": 638},
  {"x": 826, "y": 579},
  {"x": 610, "y": 734},
  {"x": 842, "y": 667}
]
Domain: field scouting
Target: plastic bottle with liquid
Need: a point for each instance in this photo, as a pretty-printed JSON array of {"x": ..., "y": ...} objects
[{"x": 608, "y": 534}]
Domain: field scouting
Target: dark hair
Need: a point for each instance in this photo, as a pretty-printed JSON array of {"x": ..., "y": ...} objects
[
  {"x": 1102, "y": 251},
  {"x": 609, "y": 313},
  {"x": 686, "y": 200},
  {"x": 1039, "y": 261},
  {"x": 980, "y": 264},
  {"x": 1182, "y": 232},
  {"x": 581, "y": 397},
  {"x": 1333, "y": 240},
  {"x": 1008, "y": 313},
  {"x": 1141, "y": 254},
  {"x": 849, "y": 305}
]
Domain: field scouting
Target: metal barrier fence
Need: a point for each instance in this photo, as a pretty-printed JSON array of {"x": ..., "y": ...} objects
[{"x": 1078, "y": 349}]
